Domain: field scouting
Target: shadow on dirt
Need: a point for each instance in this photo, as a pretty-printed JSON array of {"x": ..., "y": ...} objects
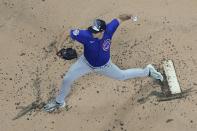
[{"x": 163, "y": 97}]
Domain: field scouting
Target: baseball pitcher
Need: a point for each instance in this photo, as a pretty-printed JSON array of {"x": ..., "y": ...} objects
[{"x": 96, "y": 58}]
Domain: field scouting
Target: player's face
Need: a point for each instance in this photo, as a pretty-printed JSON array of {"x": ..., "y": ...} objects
[{"x": 98, "y": 35}]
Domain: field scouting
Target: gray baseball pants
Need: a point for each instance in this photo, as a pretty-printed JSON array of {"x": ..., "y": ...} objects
[{"x": 82, "y": 67}]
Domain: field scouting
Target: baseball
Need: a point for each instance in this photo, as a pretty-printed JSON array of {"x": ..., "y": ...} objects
[{"x": 134, "y": 18}]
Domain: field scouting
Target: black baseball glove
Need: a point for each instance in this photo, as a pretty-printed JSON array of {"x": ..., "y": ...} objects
[{"x": 67, "y": 54}]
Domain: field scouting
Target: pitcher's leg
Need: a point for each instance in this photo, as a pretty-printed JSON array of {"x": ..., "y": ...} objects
[
  {"x": 116, "y": 73},
  {"x": 77, "y": 70}
]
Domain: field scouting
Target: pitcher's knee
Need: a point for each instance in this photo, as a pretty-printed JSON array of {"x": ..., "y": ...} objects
[
  {"x": 121, "y": 76},
  {"x": 67, "y": 79}
]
